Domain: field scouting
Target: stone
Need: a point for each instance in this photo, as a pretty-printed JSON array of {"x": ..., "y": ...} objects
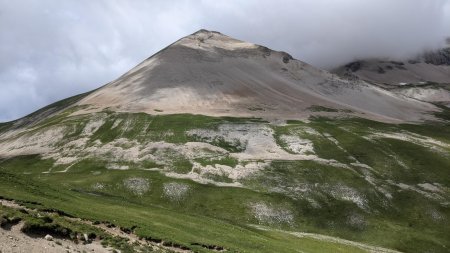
[{"x": 48, "y": 238}]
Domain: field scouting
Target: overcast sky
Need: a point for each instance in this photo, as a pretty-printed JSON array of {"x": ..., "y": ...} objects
[{"x": 50, "y": 50}]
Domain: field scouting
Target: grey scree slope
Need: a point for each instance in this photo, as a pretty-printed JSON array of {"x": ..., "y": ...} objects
[{"x": 212, "y": 74}]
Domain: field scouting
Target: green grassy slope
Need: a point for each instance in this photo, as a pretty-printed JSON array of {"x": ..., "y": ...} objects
[{"x": 377, "y": 196}]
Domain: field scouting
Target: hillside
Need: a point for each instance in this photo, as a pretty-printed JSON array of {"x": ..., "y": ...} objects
[
  {"x": 215, "y": 144},
  {"x": 212, "y": 74},
  {"x": 424, "y": 78}
]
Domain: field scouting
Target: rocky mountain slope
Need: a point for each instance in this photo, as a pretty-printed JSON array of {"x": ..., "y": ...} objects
[
  {"x": 212, "y": 74},
  {"x": 215, "y": 144},
  {"x": 424, "y": 78},
  {"x": 432, "y": 67}
]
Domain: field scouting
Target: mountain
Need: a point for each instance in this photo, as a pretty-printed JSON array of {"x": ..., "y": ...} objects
[
  {"x": 424, "y": 78},
  {"x": 430, "y": 66},
  {"x": 212, "y": 74},
  {"x": 215, "y": 144}
]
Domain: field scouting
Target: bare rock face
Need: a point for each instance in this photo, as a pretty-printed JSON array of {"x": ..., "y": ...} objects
[
  {"x": 424, "y": 78},
  {"x": 429, "y": 67},
  {"x": 212, "y": 74},
  {"x": 440, "y": 57}
]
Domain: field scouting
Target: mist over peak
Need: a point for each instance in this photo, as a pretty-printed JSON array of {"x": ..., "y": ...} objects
[{"x": 60, "y": 49}]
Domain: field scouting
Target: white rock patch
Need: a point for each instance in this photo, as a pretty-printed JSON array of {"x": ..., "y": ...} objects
[
  {"x": 65, "y": 160},
  {"x": 175, "y": 192},
  {"x": 430, "y": 187},
  {"x": 344, "y": 192},
  {"x": 356, "y": 221},
  {"x": 92, "y": 126},
  {"x": 297, "y": 145},
  {"x": 98, "y": 186},
  {"x": 116, "y": 123},
  {"x": 421, "y": 140},
  {"x": 29, "y": 143},
  {"x": 258, "y": 141},
  {"x": 117, "y": 167},
  {"x": 137, "y": 185},
  {"x": 236, "y": 173},
  {"x": 267, "y": 214},
  {"x": 429, "y": 194}
]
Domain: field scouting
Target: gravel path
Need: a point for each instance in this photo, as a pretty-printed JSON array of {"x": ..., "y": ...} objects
[{"x": 14, "y": 241}]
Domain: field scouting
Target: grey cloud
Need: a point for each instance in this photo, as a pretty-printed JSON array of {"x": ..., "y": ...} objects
[
  {"x": 326, "y": 33},
  {"x": 50, "y": 50}
]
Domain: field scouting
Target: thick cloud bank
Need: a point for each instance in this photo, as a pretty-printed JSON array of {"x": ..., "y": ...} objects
[{"x": 53, "y": 49}]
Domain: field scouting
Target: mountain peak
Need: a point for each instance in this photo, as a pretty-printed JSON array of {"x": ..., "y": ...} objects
[
  {"x": 205, "y": 31},
  {"x": 213, "y": 74},
  {"x": 209, "y": 40}
]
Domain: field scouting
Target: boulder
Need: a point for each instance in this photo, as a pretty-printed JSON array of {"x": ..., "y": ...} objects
[{"x": 48, "y": 238}]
